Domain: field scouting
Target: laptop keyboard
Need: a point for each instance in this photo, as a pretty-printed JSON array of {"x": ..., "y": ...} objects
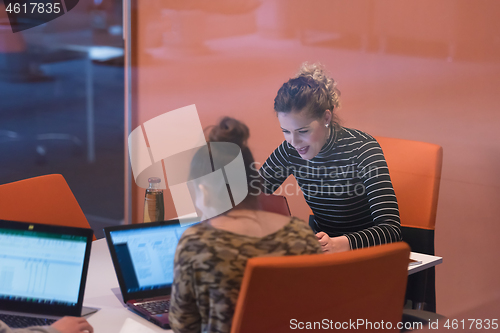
[
  {"x": 22, "y": 321},
  {"x": 155, "y": 307}
]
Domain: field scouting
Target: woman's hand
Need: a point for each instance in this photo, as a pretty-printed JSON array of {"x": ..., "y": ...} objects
[
  {"x": 334, "y": 244},
  {"x": 72, "y": 325}
]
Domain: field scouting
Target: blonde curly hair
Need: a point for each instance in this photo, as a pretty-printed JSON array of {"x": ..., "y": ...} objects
[
  {"x": 311, "y": 89},
  {"x": 318, "y": 72}
]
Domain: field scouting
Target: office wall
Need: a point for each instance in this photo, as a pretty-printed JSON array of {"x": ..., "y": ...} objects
[{"x": 420, "y": 70}]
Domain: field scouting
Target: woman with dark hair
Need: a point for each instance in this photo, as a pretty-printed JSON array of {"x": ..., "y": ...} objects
[
  {"x": 341, "y": 171},
  {"x": 211, "y": 256}
]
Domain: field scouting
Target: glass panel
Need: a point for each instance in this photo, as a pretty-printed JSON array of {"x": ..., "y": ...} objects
[
  {"x": 401, "y": 65},
  {"x": 62, "y": 105}
]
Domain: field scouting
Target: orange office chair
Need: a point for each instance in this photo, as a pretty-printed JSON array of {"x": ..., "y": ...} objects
[
  {"x": 367, "y": 284},
  {"x": 44, "y": 199},
  {"x": 415, "y": 169},
  {"x": 274, "y": 204}
]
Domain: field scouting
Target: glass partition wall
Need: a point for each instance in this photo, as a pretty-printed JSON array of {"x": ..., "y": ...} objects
[
  {"x": 419, "y": 70},
  {"x": 62, "y": 105}
]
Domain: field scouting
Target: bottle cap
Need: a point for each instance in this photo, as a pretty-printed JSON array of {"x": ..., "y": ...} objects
[{"x": 154, "y": 180}]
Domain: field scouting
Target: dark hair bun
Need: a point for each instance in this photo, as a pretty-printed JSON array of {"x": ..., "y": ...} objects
[{"x": 230, "y": 130}]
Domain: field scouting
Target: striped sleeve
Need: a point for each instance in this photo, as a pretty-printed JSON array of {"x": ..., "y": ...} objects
[
  {"x": 373, "y": 170},
  {"x": 275, "y": 170}
]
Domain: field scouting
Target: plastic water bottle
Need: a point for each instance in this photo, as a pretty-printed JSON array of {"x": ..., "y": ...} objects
[{"x": 154, "y": 209}]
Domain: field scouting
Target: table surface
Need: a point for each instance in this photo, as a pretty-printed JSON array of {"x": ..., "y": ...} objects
[{"x": 102, "y": 292}]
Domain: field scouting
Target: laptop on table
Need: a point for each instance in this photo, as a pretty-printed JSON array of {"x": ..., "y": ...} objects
[
  {"x": 43, "y": 270},
  {"x": 143, "y": 257}
]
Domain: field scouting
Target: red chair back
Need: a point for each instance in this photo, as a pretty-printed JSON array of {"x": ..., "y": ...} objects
[
  {"x": 45, "y": 199},
  {"x": 367, "y": 284}
]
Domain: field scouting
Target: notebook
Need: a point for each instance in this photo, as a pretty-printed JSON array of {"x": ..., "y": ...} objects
[
  {"x": 43, "y": 270},
  {"x": 143, "y": 257}
]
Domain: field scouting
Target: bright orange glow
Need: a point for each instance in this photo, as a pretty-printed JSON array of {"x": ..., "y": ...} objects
[{"x": 421, "y": 70}]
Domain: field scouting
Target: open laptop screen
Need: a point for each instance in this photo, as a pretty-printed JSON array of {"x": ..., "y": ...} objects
[
  {"x": 40, "y": 266},
  {"x": 143, "y": 256},
  {"x": 43, "y": 266},
  {"x": 146, "y": 256}
]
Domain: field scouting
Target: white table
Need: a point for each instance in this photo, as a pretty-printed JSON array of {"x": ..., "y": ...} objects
[
  {"x": 102, "y": 291},
  {"x": 427, "y": 262}
]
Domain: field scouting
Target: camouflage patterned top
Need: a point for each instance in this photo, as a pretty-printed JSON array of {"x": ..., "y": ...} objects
[{"x": 209, "y": 266}]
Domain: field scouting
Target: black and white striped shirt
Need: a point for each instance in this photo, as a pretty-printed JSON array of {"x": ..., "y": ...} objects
[{"x": 347, "y": 186}]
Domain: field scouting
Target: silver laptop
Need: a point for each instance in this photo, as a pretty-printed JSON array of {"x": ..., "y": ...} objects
[{"x": 43, "y": 270}]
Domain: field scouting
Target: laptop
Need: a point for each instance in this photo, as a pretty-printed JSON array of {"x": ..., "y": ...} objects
[
  {"x": 143, "y": 257},
  {"x": 43, "y": 270}
]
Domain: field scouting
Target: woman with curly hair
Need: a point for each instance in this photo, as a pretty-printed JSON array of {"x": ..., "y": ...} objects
[{"x": 341, "y": 171}]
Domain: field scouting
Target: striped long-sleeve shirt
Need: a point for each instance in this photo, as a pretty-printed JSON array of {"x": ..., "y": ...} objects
[{"x": 347, "y": 186}]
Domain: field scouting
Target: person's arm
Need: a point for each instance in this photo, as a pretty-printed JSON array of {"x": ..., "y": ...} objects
[
  {"x": 63, "y": 325},
  {"x": 333, "y": 244},
  {"x": 184, "y": 315},
  {"x": 372, "y": 169},
  {"x": 275, "y": 170}
]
